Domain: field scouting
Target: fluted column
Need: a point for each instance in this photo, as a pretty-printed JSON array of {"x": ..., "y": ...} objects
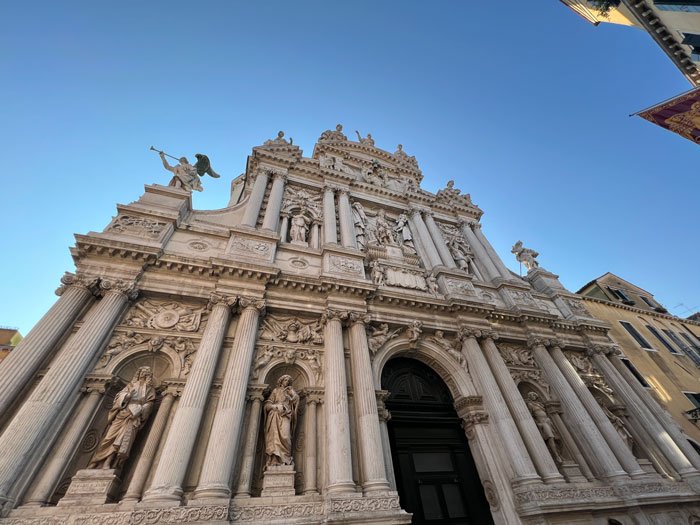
[
  {"x": 497, "y": 408},
  {"x": 274, "y": 203},
  {"x": 329, "y": 225},
  {"x": 184, "y": 429},
  {"x": 150, "y": 448},
  {"x": 52, "y": 472},
  {"x": 219, "y": 460},
  {"x": 337, "y": 418},
  {"x": 384, "y": 417},
  {"x": 659, "y": 433},
  {"x": 347, "y": 226},
  {"x": 424, "y": 236},
  {"x": 495, "y": 259},
  {"x": 619, "y": 448},
  {"x": 18, "y": 368},
  {"x": 313, "y": 398},
  {"x": 587, "y": 435},
  {"x": 521, "y": 415},
  {"x": 372, "y": 460},
  {"x": 252, "y": 210},
  {"x": 439, "y": 241},
  {"x": 481, "y": 255},
  {"x": 245, "y": 478},
  {"x": 35, "y": 417}
]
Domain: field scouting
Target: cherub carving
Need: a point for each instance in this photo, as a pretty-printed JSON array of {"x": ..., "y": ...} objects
[
  {"x": 440, "y": 340},
  {"x": 379, "y": 336}
]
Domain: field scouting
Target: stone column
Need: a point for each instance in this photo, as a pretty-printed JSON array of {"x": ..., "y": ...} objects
[
  {"x": 252, "y": 210},
  {"x": 315, "y": 242},
  {"x": 166, "y": 485},
  {"x": 220, "y": 458},
  {"x": 439, "y": 241},
  {"x": 619, "y": 448},
  {"x": 18, "y": 368},
  {"x": 424, "y": 236},
  {"x": 587, "y": 435},
  {"x": 36, "y": 416},
  {"x": 554, "y": 411},
  {"x": 329, "y": 225},
  {"x": 490, "y": 271},
  {"x": 284, "y": 228},
  {"x": 274, "y": 203},
  {"x": 370, "y": 444},
  {"x": 497, "y": 262},
  {"x": 624, "y": 384},
  {"x": 51, "y": 473},
  {"x": 521, "y": 415},
  {"x": 347, "y": 226},
  {"x": 245, "y": 478},
  {"x": 513, "y": 445},
  {"x": 313, "y": 398},
  {"x": 384, "y": 417},
  {"x": 150, "y": 448},
  {"x": 338, "y": 450}
]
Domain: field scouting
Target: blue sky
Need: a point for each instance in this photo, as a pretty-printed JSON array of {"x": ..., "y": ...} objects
[{"x": 523, "y": 104}]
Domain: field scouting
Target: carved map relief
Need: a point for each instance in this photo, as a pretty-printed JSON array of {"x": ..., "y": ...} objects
[
  {"x": 164, "y": 315},
  {"x": 134, "y": 226}
]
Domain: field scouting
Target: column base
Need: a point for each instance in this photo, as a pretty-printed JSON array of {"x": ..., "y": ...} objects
[
  {"x": 377, "y": 485},
  {"x": 522, "y": 482},
  {"x": 165, "y": 496},
  {"x": 343, "y": 487},
  {"x": 92, "y": 487},
  {"x": 208, "y": 493}
]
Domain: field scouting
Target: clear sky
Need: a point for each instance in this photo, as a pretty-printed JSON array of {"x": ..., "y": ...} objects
[{"x": 524, "y": 104}]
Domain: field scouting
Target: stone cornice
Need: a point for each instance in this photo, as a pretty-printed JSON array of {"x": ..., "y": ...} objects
[
  {"x": 87, "y": 245},
  {"x": 639, "y": 310}
]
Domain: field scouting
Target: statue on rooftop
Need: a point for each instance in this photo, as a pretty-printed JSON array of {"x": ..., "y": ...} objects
[
  {"x": 525, "y": 255},
  {"x": 333, "y": 136},
  {"x": 185, "y": 175},
  {"x": 367, "y": 141}
]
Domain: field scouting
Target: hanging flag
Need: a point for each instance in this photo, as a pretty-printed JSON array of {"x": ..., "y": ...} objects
[{"x": 680, "y": 115}]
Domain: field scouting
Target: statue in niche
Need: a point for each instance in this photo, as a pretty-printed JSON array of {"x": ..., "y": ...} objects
[
  {"x": 382, "y": 231},
  {"x": 440, "y": 340},
  {"x": 299, "y": 228},
  {"x": 544, "y": 424},
  {"x": 431, "y": 282},
  {"x": 460, "y": 253},
  {"x": 131, "y": 408},
  {"x": 403, "y": 232},
  {"x": 360, "y": 220},
  {"x": 367, "y": 141},
  {"x": 526, "y": 256},
  {"x": 620, "y": 427},
  {"x": 377, "y": 273},
  {"x": 380, "y": 335},
  {"x": 280, "y": 420}
]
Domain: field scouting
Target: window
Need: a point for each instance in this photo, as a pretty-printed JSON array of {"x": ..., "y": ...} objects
[
  {"x": 648, "y": 301},
  {"x": 635, "y": 372},
  {"x": 694, "y": 42},
  {"x": 687, "y": 6},
  {"x": 694, "y": 398},
  {"x": 636, "y": 335},
  {"x": 620, "y": 295},
  {"x": 662, "y": 339},
  {"x": 690, "y": 341},
  {"x": 690, "y": 352}
]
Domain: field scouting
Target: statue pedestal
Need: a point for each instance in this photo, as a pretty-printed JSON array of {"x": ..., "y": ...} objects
[
  {"x": 278, "y": 480},
  {"x": 92, "y": 487}
]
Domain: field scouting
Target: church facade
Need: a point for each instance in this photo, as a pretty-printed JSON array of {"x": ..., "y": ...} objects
[{"x": 337, "y": 345}]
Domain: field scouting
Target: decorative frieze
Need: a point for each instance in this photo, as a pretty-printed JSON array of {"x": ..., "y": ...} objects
[
  {"x": 291, "y": 330},
  {"x": 137, "y": 226},
  {"x": 251, "y": 248},
  {"x": 164, "y": 315}
]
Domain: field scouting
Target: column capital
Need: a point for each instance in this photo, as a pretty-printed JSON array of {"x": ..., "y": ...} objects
[
  {"x": 69, "y": 279},
  {"x": 466, "y": 332},
  {"x": 216, "y": 298},
  {"x": 272, "y": 171},
  {"x": 282, "y": 175},
  {"x": 470, "y": 420},
  {"x": 469, "y": 404},
  {"x": 553, "y": 342},
  {"x": 415, "y": 210},
  {"x": 313, "y": 394},
  {"x": 119, "y": 287},
  {"x": 330, "y": 188},
  {"x": 173, "y": 387},
  {"x": 257, "y": 303},
  {"x": 256, "y": 392},
  {"x": 342, "y": 190},
  {"x": 537, "y": 340},
  {"x": 489, "y": 334},
  {"x": 358, "y": 318},
  {"x": 98, "y": 383},
  {"x": 332, "y": 314},
  {"x": 602, "y": 349}
]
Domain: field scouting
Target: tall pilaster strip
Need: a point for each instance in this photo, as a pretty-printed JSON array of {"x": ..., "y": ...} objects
[
  {"x": 497, "y": 262},
  {"x": 18, "y": 368},
  {"x": 384, "y": 417},
  {"x": 252, "y": 210},
  {"x": 274, "y": 203},
  {"x": 347, "y": 228},
  {"x": 329, "y": 222},
  {"x": 439, "y": 241},
  {"x": 38, "y": 413},
  {"x": 420, "y": 249},
  {"x": 587, "y": 435},
  {"x": 521, "y": 415},
  {"x": 184, "y": 429},
  {"x": 220, "y": 457},
  {"x": 338, "y": 458},
  {"x": 148, "y": 454},
  {"x": 54, "y": 469},
  {"x": 425, "y": 238},
  {"x": 245, "y": 478},
  {"x": 368, "y": 432},
  {"x": 482, "y": 257},
  {"x": 658, "y": 432},
  {"x": 620, "y": 449},
  {"x": 497, "y": 409},
  {"x": 310, "y": 449}
]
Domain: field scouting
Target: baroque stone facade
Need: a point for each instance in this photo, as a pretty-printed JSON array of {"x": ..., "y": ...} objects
[{"x": 239, "y": 363}]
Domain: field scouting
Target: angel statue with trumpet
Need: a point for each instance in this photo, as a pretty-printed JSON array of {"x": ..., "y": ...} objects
[{"x": 185, "y": 175}]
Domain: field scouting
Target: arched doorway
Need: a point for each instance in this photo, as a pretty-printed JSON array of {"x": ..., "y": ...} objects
[{"x": 436, "y": 476}]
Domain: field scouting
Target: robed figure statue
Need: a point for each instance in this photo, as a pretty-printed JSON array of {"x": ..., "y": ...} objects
[
  {"x": 280, "y": 420},
  {"x": 131, "y": 408}
]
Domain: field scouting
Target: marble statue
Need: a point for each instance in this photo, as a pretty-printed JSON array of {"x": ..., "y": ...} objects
[
  {"x": 368, "y": 140},
  {"x": 544, "y": 424},
  {"x": 451, "y": 195},
  {"x": 299, "y": 228},
  {"x": 620, "y": 427},
  {"x": 278, "y": 141},
  {"x": 377, "y": 273},
  {"x": 525, "y": 255},
  {"x": 431, "y": 282},
  {"x": 280, "y": 420},
  {"x": 440, "y": 340},
  {"x": 459, "y": 253},
  {"x": 333, "y": 135},
  {"x": 131, "y": 408},
  {"x": 379, "y": 336},
  {"x": 413, "y": 331},
  {"x": 403, "y": 232},
  {"x": 382, "y": 230},
  {"x": 360, "y": 221},
  {"x": 185, "y": 175}
]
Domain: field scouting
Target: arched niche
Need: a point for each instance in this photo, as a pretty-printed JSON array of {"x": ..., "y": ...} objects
[{"x": 163, "y": 365}]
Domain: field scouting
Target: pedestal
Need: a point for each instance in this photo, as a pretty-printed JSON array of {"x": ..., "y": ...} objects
[
  {"x": 278, "y": 480},
  {"x": 92, "y": 487}
]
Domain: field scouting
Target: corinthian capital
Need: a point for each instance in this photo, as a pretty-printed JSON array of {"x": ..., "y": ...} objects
[
  {"x": 221, "y": 299},
  {"x": 536, "y": 340},
  {"x": 87, "y": 282},
  {"x": 251, "y": 302},
  {"x": 119, "y": 287},
  {"x": 466, "y": 332},
  {"x": 332, "y": 314},
  {"x": 489, "y": 334},
  {"x": 596, "y": 349},
  {"x": 358, "y": 317},
  {"x": 554, "y": 342}
]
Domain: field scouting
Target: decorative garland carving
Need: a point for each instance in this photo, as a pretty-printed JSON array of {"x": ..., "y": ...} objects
[
  {"x": 164, "y": 315},
  {"x": 291, "y": 330},
  {"x": 137, "y": 226}
]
